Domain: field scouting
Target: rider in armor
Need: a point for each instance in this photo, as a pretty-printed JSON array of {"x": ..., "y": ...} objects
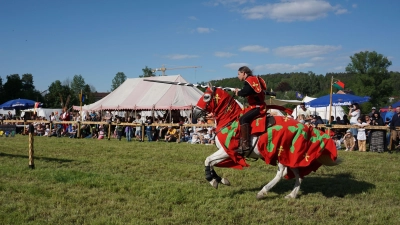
[{"x": 253, "y": 90}]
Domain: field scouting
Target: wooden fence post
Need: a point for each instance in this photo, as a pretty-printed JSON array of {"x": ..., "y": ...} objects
[
  {"x": 143, "y": 132},
  {"x": 78, "y": 135},
  {"x": 31, "y": 151},
  {"x": 109, "y": 130}
]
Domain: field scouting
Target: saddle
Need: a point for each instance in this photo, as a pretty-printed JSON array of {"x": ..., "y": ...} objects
[{"x": 261, "y": 124}]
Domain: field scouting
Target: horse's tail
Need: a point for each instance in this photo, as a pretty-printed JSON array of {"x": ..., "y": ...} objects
[{"x": 327, "y": 161}]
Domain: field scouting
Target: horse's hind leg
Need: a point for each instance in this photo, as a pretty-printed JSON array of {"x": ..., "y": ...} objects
[
  {"x": 282, "y": 171},
  {"x": 297, "y": 184}
]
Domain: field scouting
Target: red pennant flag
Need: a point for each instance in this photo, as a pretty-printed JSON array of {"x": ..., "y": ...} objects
[{"x": 339, "y": 85}]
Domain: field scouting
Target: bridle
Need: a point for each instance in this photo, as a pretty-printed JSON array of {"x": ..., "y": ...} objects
[{"x": 203, "y": 112}]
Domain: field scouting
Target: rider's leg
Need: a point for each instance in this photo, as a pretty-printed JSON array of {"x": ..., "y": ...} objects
[{"x": 244, "y": 122}]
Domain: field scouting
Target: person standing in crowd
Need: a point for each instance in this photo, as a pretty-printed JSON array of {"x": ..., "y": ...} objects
[
  {"x": 253, "y": 89},
  {"x": 354, "y": 114},
  {"x": 361, "y": 136},
  {"x": 138, "y": 132},
  {"x": 304, "y": 111},
  {"x": 395, "y": 134},
  {"x": 128, "y": 133},
  {"x": 149, "y": 129},
  {"x": 119, "y": 129},
  {"x": 373, "y": 110},
  {"x": 345, "y": 120},
  {"x": 9, "y": 116},
  {"x": 389, "y": 115},
  {"x": 377, "y": 139}
]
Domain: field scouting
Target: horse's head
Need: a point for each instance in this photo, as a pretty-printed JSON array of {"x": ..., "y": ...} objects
[{"x": 214, "y": 100}]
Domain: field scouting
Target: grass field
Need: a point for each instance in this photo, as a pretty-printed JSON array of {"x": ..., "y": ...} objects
[{"x": 116, "y": 182}]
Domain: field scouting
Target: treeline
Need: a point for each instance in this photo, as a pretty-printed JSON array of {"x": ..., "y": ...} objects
[
  {"x": 287, "y": 84},
  {"x": 366, "y": 75},
  {"x": 58, "y": 92}
]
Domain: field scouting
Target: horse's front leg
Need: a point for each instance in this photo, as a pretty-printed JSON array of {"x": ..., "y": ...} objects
[
  {"x": 211, "y": 176},
  {"x": 282, "y": 171},
  {"x": 297, "y": 184}
]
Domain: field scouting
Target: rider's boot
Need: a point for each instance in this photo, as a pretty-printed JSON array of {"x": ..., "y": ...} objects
[{"x": 244, "y": 138}]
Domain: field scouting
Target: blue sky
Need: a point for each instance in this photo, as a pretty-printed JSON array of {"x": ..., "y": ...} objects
[{"x": 54, "y": 40}]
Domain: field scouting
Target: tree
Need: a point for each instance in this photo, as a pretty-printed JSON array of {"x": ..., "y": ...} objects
[
  {"x": 283, "y": 86},
  {"x": 2, "y": 94},
  {"x": 52, "y": 98},
  {"x": 373, "y": 78},
  {"x": 147, "y": 72},
  {"x": 12, "y": 87},
  {"x": 77, "y": 84},
  {"x": 118, "y": 80},
  {"x": 27, "y": 82}
]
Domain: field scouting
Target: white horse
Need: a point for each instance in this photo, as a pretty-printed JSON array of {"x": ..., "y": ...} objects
[{"x": 300, "y": 148}]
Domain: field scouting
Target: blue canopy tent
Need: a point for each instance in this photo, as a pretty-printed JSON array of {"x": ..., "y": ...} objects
[
  {"x": 337, "y": 100},
  {"x": 394, "y": 105},
  {"x": 18, "y": 104}
]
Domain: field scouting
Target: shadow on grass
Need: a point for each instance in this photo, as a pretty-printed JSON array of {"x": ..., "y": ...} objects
[
  {"x": 37, "y": 158},
  {"x": 338, "y": 185}
]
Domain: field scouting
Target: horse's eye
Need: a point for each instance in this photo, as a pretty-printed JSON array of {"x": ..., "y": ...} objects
[{"x": 207, "y": 97}]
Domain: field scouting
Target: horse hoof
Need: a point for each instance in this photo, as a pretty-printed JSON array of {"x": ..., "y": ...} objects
[
  {"x": 290, "y": 196},
  {"x": 214, "y": 183},
  {"x": 261, "y": 196},
  {"x": 225, "y": 182}
]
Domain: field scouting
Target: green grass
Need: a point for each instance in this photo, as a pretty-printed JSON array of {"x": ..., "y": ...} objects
[{"x": 115, "y": 182}]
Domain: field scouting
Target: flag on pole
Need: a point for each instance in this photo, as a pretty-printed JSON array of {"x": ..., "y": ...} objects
[
  {"x": 82, "y": 97},
  {"x": 339, "y": 85},
  {"x": 299, "y": 95}
]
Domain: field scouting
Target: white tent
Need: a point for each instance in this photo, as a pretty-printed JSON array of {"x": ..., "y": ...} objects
[
  {"x": 5, "y": 112},
  {"x": 323, "y": 112},
  {"x": 137, "y": 94},
  {"x": 43, "y": 112}
]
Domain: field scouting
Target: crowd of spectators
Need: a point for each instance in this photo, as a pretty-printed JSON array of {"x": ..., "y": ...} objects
[
  {"x": 359, "y": 138},
  {"x": 348, "y": 139}
]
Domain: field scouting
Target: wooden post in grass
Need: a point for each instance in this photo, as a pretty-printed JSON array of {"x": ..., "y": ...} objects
[
  {"x": 31, "y": 139},
  {"x": 143, "y": 131},
  {"x": 79, "y": 130},
  {"x": 109, "y": 129},
  {"x": 180, "y": 134}
]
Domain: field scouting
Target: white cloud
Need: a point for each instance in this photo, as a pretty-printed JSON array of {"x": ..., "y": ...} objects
[
  {"x": 341, "y": 11},
  {"x": 354, "y": 5},
  {"x": 339, "y": 68},
  {"x": 181, "y": 56},
  {"x": 282, "y": 67},
  {"x": 317, "y": 59},
  {"x": 192, "y": 18},
  {"x": 254, "y": 48},
  {"x": 224, "y": 54},
  {"x": 292, "y": 10},
  {"x": 235, "y": 66},
  {"x": 303, "y": 51},
  {"x": 203, "y": 30},
  {"x": 229, "y": 2}
]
